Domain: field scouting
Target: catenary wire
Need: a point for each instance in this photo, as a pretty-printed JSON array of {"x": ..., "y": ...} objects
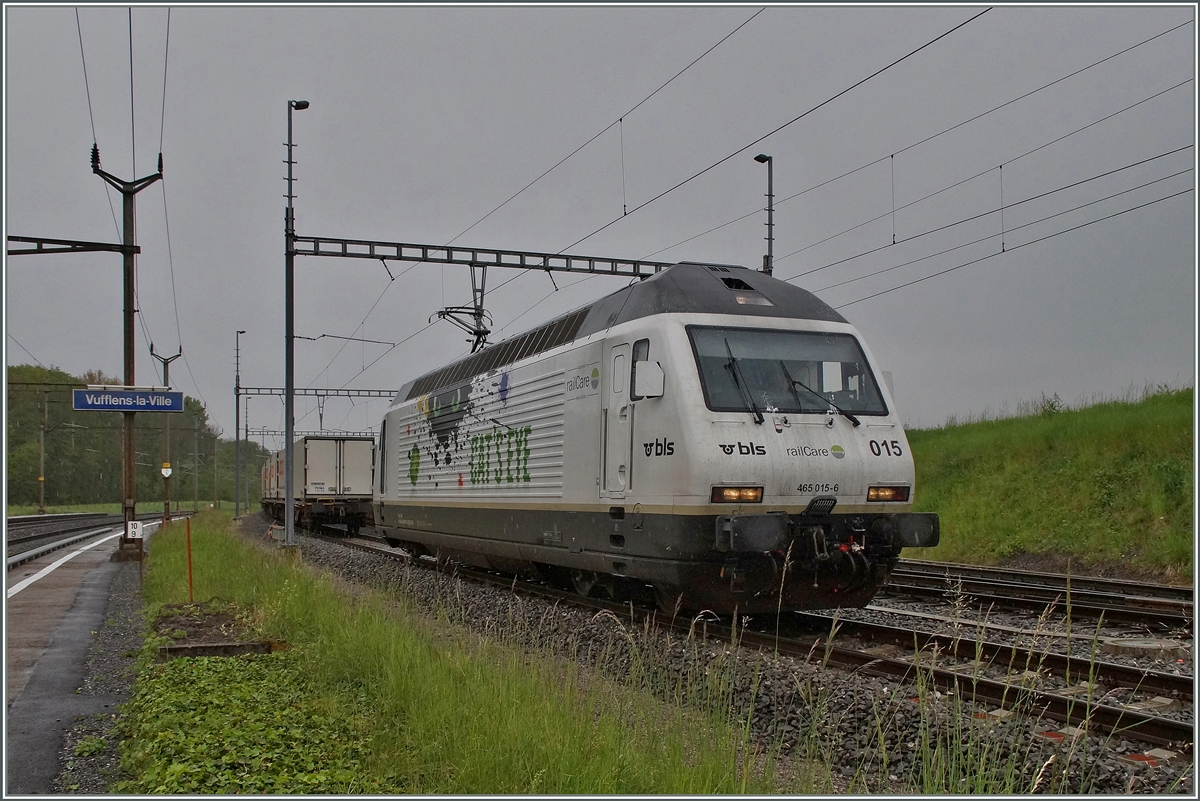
[
  {"x": 1015, "y": 247},
  {"x": 986, "y": 213},
  {"x": 985, "y": 172},
  {"x": 551, "y": 169},
  {"x": 926, "y": 139},
  {"x": 777, "y": 130},
  {"x": 22, "y": 347},
  {"x": 166, "y": 53},
  {"x": 92, "y": 119},
  {"x": 132, "y": 120},
  {"x": 993, "y": 236},
  {"x": 609, "y": 126}
]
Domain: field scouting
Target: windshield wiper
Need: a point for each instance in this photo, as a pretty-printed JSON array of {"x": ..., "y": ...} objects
[
  {"x": 802, "y": 385},
  {"x": 735, "y": 370},
  {"x": 792, "y": 386}
]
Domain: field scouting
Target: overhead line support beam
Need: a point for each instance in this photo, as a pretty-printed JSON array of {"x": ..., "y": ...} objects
[
  {"x": 43, "y": 245},
  {"x": 473, "y": 257}
]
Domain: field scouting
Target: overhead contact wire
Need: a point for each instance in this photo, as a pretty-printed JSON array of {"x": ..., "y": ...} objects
[
  {"x": 619, "y": 121},
  {"x": 780, "y": 128},
  {"x": 931, "y": 137},
  {"x": 1017, "y": 247},
  {"x": 993, "y": 236},
  {"x": 978, "y": 174},
  {"x": 991, "y": 211}
]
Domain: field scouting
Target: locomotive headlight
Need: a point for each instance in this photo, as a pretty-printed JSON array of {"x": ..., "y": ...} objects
[
  {"x": 737, "y": 494},
  {"x": 893, "y": 494}
]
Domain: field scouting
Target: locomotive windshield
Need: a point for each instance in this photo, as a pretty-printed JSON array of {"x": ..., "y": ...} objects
[{"x": 800, "y": 372}]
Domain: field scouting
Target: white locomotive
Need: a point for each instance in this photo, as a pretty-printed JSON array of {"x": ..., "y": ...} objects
[{"x": 711, "y": 432}]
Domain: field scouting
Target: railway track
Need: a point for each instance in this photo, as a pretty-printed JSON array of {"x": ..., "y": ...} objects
[
  {"x": 969, "y": 678},
  {"x": 1156, "y": 606},
  {"x": 24, "y": 535}
]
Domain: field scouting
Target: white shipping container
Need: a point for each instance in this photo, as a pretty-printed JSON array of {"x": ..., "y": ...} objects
[
  {"x": 357, "y": 466},
  {"x": 320, "y": 466}
]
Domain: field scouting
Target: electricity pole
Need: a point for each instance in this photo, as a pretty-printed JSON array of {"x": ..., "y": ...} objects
[
  {"x": 237, "y": 411},
  {"x": 166, "y": 468},
  {"x": 129, "y": 234},
  {"x": 42, "y": 459},
  {"x": 289, "y": 367},
  {"x": 195, "y": 463}
]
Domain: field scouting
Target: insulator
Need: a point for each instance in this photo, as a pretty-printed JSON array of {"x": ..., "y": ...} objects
[
  {"x": 95, "y": 156},
  {"x": 160, "y": 162}
]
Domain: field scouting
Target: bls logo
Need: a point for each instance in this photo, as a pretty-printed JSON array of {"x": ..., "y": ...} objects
[
  {"x": 749, "y": 449},
  {"x": 660, "y": 447}
]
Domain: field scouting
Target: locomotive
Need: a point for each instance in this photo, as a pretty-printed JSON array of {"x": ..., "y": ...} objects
[{"x": 710, "y": 434}]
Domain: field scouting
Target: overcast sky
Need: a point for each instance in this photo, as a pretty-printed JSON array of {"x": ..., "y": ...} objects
[{"x": 424, "y": 120}]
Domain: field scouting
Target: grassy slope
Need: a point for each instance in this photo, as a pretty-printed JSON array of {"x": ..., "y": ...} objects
[{"x": 1110, "y": 483}]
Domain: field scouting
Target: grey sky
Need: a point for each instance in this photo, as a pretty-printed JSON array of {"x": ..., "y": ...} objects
[{"x": 423, "y": 120}]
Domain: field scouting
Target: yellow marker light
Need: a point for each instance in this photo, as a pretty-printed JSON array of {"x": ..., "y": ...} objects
[
  {"x": 893, "y": 494},
  {"x": 737, "y": 494}
]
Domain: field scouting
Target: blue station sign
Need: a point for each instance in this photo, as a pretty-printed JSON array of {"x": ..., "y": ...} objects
[{"x": 127, "y": 400}]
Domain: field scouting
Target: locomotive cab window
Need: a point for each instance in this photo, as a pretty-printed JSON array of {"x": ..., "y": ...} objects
[{"x": 799, "y": 372}]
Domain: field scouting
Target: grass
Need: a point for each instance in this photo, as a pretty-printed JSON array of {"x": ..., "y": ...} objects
[
  {"x": 1109, "y": 483},
  {"x": 371, "y": 699}
]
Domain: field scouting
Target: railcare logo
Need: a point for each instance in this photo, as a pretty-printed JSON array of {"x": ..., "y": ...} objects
[
  {"x": 582, "y": 381},
  {"x": 749, "y": 449},
  {"x": 836, "y": 451}
]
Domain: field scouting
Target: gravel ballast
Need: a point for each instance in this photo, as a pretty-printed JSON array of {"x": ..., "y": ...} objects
[{"x": 795, "y": 704}]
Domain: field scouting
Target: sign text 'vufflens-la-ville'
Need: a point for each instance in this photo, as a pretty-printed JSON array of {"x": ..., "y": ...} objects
[{"x": 127, "y": 400}]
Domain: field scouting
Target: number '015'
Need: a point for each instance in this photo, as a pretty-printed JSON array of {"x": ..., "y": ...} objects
[{"x": 885, "y": 448}]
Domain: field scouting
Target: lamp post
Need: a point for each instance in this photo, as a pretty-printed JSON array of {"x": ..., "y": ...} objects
[
  {"x": 237, "y": 409},
  {"x": 289, "y": 392},
  {"x": 769, "y": 259}
]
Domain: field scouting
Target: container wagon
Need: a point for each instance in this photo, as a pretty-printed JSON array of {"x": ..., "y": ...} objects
[{"x": 332, "y": 482}]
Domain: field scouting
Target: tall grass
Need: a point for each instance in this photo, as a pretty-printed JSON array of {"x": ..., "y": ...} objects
[
  {"x": 456, "y": 714},
  {"x": 1111, "y": 482}
]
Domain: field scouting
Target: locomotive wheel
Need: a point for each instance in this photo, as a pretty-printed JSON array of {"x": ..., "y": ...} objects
[
  {"x": 669, "y": 598},
  {"x": 392, "y": 541},
  {"x": 584, "y": 582}
]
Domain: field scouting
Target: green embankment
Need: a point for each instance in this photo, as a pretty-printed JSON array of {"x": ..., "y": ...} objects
[{"x": 1107, "y": 485}]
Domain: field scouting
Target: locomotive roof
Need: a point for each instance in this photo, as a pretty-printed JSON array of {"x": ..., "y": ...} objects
[{"x": 686, "y": 287}]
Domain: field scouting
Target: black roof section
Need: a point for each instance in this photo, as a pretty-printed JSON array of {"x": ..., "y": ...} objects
[{"x": 683, "y": 287}]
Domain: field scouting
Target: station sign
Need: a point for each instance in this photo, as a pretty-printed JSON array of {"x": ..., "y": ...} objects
[{"x": 127, "y": 400}]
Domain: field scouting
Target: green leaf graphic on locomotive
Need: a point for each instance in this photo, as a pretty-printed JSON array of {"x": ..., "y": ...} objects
[
  {"x": 414, "y": 464},
  {"x": 500, "y": 457}
]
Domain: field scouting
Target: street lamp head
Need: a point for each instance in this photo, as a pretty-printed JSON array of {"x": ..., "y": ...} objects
[
  {"x": 762, "y": 158},
  {"x": 299, "y": 105},
  {"x": 241, "y": 332}
]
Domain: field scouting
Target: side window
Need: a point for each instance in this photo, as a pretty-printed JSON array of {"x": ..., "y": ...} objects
[
  {"x": 618, "y": 374},
  {"x": 641, "y": 352},
  {"x": 382, "y": 456}
]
